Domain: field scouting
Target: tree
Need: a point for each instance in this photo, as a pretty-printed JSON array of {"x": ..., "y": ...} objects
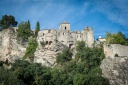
[
  {"x": 37, "y": 28},
  {"x": 63, "y": 57},
  {"x": 118, "y": 38},
  {"x": 28, "y": 25},
  {"x": 7, "y": 77},
  {"x": 23, "y": 31},
  {"x": 8, "y": 21}
]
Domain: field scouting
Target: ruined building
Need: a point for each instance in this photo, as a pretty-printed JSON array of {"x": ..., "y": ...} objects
[{"x": 66, "y": 36}]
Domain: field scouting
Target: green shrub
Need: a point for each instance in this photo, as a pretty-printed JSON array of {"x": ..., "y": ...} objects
[
  {"x": 63, "y": 57},
  {"x": 32, "y": 45}
]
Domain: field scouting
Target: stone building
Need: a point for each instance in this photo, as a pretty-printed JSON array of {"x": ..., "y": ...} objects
[{"x": 66, "y": 36}]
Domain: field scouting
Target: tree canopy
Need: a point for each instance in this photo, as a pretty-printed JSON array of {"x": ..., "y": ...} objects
[
  {"x": 24, "y": 31},
  {"x": 8, "y": 21},
  {"x": 116, "y": 38},
  {"x": 83, "y": 71}
]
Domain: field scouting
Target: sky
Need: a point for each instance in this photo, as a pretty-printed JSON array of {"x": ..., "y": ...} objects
[{"x": 102, "y": 15}]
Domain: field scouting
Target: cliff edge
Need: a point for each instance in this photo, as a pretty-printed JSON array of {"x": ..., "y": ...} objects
[{"x": 114, "y": 66}]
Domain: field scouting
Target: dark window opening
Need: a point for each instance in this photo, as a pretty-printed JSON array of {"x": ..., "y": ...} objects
[
  {"x": 50, "y": 42},
  {"x": 70, "y": 45},
  {"x": 46, "y": 42},
  {"x": 65, "y": 27},
  {"x": 63, "y": 33}
]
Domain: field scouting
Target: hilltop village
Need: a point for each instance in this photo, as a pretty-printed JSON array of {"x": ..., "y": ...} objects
[
  {"x": 65, "y": 49},
  {"x": 66, "y": 36}
]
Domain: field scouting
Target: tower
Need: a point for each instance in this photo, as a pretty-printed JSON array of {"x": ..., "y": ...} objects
[
  {"x": 65, "y": 26},
  {"x": 88, "y": 36}
]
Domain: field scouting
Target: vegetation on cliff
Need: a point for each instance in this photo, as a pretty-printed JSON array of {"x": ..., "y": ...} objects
[
  {"x": 7, "y": 21},
  {"x": 83, "y": 70},
  {"x": 116, "y": 38},
  {"x": 37, "y": 28},
  {"x": 32, "y": 45},
  {"x": 23, "y": 32},
  {"x": 64, "y": 57}
]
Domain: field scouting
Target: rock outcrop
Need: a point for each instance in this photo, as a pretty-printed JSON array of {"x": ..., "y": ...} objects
[
  {"x": 115, "y": 67},
  {"x": 9, "y": 48},
  {"x": 47, "y": 55}
]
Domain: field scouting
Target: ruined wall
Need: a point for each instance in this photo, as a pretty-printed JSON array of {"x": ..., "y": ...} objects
[
  {"x": 88, "y": 36},
  {"x": 111, "y": 50},
  {"x": 115, "y": 69}
]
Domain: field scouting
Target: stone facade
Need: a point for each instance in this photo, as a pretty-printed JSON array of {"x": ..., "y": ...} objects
[
  {"x": 66, "y": 36},
  {"x": 113, "y": 49}
]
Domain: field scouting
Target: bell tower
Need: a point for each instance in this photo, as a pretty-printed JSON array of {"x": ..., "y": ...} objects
[{"x": 65, "y": 26}]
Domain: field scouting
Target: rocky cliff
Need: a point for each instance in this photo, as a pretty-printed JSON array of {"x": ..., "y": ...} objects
[
  {"x": 47, "y": 54},
  {"x": 115, "y": 67},
  {"x": 11, "y": 50}
]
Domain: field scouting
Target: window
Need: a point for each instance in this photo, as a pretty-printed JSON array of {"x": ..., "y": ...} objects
[
  {"x": 50, "y": 42},
  {"x": 46, "y": 42},
  {"x": 65, "y": 27},
  {"x": 63, "y": 33}
]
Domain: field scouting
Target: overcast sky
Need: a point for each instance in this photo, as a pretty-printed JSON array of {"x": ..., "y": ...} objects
[{"x": 102, "y": 15}]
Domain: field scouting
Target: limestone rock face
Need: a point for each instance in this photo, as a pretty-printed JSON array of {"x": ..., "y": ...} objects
[
  {"x": 9, "y": 48},
  {"x": 47, "y": 55},
  {"x": 115, "y": 68}
]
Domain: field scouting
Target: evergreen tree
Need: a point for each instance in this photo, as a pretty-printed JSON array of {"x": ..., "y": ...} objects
[
  {"x": 37, "y": 28},
  {"x": 29, "y": 26},
  {"x": 23, "y": 31}
]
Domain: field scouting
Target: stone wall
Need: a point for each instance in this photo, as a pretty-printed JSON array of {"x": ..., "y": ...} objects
[
  {"x": 113, "y": 49},
  {"x": 115, "y": 69}
]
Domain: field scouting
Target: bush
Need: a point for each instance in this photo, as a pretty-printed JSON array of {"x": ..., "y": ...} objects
[
  {"x": 63, "y": 57},
  {"x": 32, "y": 45}
]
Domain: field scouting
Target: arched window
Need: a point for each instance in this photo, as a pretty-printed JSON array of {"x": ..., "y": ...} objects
[
  {"x": 65, "y": 28},
  {"x": 63, "y": 33},
  {"x": 50, "y": 42},
  {"x": 46, "y": 42}
]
